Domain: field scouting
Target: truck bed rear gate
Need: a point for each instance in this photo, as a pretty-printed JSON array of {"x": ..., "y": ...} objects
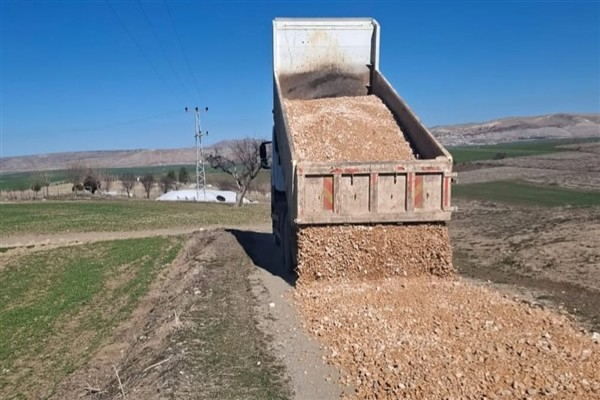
[{"x": 376, "y": 193}]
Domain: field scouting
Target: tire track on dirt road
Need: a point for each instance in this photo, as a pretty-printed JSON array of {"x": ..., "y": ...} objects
[{"x": 34, "y": 242}]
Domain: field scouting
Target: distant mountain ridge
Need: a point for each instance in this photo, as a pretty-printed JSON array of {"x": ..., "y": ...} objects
[
  {"x": 99, "y": 159},
  {"x": 553, "y": 126}
]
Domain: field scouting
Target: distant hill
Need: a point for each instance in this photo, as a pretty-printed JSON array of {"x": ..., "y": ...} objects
[
  {"x": 98, "y": 159},
  {"x": 106, "y": 158},
  {"x": 554, "y": 126}
]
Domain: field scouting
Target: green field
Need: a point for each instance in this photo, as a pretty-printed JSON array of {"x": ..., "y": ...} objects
[
  {"x": 24, "y": 180},
  {"x": 526, "y": 194},
  {"x": 97, "y": 216},
  {"x": 513, "y": 149},
  {"x": 57, "y": 306}
]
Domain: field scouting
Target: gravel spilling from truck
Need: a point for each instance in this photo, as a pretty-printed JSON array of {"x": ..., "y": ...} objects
[
  {"x": 372, "y": 252},
  {"x": 360, "y": 129},
  {"x": 383, "y": 302}
]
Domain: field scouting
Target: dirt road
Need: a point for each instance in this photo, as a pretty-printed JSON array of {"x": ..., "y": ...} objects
[
  {"x": 311, "y": 377},
  {"x": 73, "y": 238}
]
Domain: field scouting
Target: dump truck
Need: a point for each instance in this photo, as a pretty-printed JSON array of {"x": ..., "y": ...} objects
[{"x": 322, "y": 58}]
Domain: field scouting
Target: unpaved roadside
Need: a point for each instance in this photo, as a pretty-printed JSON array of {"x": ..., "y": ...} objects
[
  {"x": 88, "y": 237},
  {"x": 311, "y": 377},
  {"x": 19, "y": 244},
  {"x": 216, "y": 324}
]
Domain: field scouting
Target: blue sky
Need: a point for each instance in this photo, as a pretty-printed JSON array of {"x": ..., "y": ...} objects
[{"x": 74, "y": 79}]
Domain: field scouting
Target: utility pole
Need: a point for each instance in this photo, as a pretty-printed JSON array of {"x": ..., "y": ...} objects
[{"x": 200, "y": 173}]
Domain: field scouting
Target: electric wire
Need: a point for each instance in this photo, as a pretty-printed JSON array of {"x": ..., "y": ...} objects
[
  {"x": 187, "y": 61},
  {"x": 139, "y": 47},
  {"x": 162, "y": 49}
]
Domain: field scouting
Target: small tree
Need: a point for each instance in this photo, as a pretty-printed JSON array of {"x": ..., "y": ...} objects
[
  {"x": 128, "y": 181},
  {"x": 36, "y": 187},
  {"x": 243, "y": 164},
  {"x": 148, "y": 183},
  {"x": 184, "y": 175},
  {"x": 167, "y": 182},
  {"x": 92, "y": 180}
]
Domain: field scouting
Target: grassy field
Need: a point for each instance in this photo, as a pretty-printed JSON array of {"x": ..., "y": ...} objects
[
  {"x": 513, "y": 149},
  {"x": 96, "y": 216},
  {"x": 521, "y": 193},
  {"x": 57, "y": 306},
  {"x": 24, "y": 180}
]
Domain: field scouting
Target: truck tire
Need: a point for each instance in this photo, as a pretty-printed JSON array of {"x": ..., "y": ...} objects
[
  {"x": 287, "y": 247},
  {"x": 274, "y": 228},
  {"x": 279, "y": 206}
]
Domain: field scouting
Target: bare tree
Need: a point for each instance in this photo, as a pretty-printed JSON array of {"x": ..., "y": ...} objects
[
  {"x": 108, "y": 180},
  {"x": 75, "y": 174},
  {"x": 243, "y": 164},
  {"x": 128, "y": 181},
  {"x": 45, "y": 181},
  {"x": 148, "y": 183}
]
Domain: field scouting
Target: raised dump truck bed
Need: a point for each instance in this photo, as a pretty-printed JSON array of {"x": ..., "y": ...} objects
[{"x": 318, "y": 58}]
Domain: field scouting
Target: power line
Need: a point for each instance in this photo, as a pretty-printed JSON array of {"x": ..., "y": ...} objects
[
  {"x": 187, "y": 61},
  {"x": 162, "y": 49},
  {"x": 139, "y": 47}
]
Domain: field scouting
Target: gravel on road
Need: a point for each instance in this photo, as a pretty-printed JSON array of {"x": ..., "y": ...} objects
[{"x": 432, "y": 338}]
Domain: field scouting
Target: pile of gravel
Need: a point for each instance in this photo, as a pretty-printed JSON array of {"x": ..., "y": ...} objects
[
  {"x": 376, "y": 299},
  {"x": 359, "y": 128},
  {"x": 430, "y": 338}
]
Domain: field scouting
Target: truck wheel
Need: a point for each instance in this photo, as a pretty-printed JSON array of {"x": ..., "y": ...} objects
[
  {"x": 279, "y": 208},
  {"x": 274, "y": 227},
  {"x": 287, "y": 245}
]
